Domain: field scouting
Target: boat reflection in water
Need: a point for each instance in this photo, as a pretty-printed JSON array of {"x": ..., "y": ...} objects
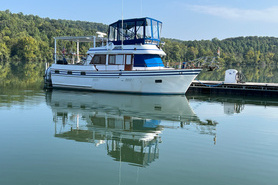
[{"x": 129, "y": 125}]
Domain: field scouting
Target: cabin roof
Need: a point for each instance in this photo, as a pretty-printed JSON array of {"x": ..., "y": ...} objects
[
  {"x": 82, "y": 38},
  {"x": 135, "y": 19}
]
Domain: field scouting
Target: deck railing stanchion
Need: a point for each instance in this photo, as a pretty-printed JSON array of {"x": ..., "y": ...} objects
[
  {"x": 55, "y": 51},
  {"x": 77, "y": 50},
  {"x": 94, "y": 41}
]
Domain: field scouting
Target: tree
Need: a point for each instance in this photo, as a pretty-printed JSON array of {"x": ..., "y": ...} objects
[
  {"x": 26, "y": 48},
  {"x": 192, "y": 52},
  {"x": 4, "y": 52}
]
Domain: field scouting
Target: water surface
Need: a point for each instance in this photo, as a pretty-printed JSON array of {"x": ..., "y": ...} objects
[{"x": 69, "y": 137}]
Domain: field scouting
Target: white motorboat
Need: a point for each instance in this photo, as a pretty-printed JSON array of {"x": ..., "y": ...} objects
[{"x": 129, "y": 62}]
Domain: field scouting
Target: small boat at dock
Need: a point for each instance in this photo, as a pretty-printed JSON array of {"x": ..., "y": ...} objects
[{"x": 129, "y": 62}]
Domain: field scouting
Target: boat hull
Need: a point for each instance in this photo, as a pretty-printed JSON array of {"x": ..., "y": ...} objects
[{"x": 142, "y": 82}]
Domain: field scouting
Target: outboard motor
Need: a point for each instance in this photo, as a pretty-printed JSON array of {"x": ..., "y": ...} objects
[{"x": 233, "y": 76}]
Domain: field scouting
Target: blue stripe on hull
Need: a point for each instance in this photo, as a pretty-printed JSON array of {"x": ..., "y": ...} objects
[
  {"x": 124, "y": 73},
  {"x": 64, "y": 74}
]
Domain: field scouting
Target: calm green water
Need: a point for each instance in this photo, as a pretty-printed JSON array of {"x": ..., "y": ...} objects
[{"x": 68, "y": 137}]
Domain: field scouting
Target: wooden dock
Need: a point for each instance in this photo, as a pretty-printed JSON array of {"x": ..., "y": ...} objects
[{"x": 248, "y": 88}]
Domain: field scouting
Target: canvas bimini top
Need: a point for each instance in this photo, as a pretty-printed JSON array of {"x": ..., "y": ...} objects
[{"x": 135, "y": 31}]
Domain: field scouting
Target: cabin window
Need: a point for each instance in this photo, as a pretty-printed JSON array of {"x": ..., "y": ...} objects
[
  {"x": 112, "y": 59},
  {"x": 57, "y": 71},
  {"x": 120, "y": 59},
  {"x": 98, "y": 59},
  {"x": 147, "y": 61},
  {"x": 70, "y": 72},
  {"x": 83, "y": 73},
  {"x": 116, "y": 59}
]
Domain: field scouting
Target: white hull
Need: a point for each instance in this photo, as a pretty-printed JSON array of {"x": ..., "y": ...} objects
[{"x": 146, "y": 82}]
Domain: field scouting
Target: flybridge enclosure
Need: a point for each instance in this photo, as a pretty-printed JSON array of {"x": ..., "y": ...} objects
[{"x": 135, "y": 31}]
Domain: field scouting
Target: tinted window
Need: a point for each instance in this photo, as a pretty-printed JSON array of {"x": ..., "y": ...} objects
[
  {"x": 112, "y": 59},
  {"x": 98, "y": 59}
]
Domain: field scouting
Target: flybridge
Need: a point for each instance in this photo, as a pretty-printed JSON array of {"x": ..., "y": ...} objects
[{"x": 135, "y": 31}]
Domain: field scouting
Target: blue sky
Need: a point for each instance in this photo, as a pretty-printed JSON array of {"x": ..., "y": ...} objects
[{"x": 182, "y": 19}]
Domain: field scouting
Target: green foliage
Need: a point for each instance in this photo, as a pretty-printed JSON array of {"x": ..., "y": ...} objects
[
  {"x": 240, "y": 50},
  {"x": 4, "y": 70},
  {"x": 4, "y": 52},
  {"x": 28, "y": 37},
  {"x": 27, "y": 48}
]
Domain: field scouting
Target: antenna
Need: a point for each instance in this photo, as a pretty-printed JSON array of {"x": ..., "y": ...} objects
[
  {"x": 141, "y": 8},
  {"x": 122, "y": 23}
]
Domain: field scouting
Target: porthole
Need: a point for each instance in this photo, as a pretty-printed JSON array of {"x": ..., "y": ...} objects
[{"x": 158, "y": 81}]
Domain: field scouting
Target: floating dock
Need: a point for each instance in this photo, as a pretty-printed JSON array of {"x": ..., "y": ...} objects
[{"x": 247, "y": 88}]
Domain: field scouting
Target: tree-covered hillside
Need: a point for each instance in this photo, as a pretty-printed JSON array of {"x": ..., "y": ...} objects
[
  {"x": 240, "y": 50},
  {"x": 30, "y": 38}
]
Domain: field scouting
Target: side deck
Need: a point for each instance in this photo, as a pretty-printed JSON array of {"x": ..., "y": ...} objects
[{"x": 248, "y": 88}]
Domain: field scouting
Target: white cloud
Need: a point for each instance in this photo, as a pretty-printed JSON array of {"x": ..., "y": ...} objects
[{"x": 264, "y": 15}]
